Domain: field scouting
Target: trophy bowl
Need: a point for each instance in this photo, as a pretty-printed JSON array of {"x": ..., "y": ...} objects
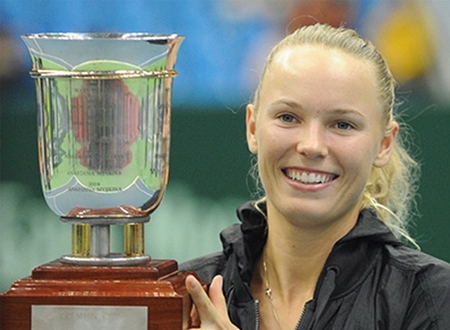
[{"x": 104, "y": 103}]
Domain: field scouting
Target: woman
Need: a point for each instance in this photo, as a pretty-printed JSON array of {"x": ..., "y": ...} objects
[{"x": 322, "y": 250}]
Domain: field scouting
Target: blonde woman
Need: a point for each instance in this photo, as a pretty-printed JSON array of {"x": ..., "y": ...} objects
[{"x": 326, "y": 248}]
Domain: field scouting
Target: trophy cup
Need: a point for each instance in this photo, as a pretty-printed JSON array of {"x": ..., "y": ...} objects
[{"x": 104, "y": 104}]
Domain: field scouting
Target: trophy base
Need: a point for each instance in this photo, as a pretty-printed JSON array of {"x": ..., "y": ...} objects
[
  {"x": 111, "y": 260},
  {"x": 58, "y": 295}
]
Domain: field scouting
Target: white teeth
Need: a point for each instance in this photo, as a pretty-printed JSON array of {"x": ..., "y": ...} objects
[
  {"x": 311, "y": 178},
  {"x": 304, "y": 177}
]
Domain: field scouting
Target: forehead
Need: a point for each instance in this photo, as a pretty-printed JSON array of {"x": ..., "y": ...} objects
[
  {"x": 327, "y": 76},
  {"x": 300, "y": 57},
  {"x": 314, "y": 62}
]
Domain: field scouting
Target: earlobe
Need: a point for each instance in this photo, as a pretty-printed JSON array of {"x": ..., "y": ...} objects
[
  {"x": 251, "y": 129},
  {"x": 387, "y": 145}
]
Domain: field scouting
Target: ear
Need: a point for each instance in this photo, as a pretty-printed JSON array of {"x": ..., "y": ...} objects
[
  {"x": 387, "y": 145},
  {"x": 251, "y": 129}
]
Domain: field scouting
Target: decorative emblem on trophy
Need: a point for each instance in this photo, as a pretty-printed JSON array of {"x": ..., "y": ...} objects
[{"x": 104, "y": 104}]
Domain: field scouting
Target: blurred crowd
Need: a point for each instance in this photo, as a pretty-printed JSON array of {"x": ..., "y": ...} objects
[{"x": 227, "y": 40}]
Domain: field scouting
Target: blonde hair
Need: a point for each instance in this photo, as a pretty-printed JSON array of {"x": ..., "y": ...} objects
[{"x": 390, "y": 189}]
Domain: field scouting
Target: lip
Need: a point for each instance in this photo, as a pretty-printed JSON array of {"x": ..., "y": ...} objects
[{"x": 308, "y": 179}]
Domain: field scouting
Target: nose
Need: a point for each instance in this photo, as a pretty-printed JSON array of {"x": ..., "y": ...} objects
[{"x": 312, "y": 141}]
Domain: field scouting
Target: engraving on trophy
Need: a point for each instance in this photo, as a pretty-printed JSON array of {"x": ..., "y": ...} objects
[
  {"x": 56, "y": 317},
  {"x": 102, "y": 140},
  {"x": 105, "y": 121}
]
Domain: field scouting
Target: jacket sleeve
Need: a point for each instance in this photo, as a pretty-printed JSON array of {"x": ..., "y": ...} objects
[
  {"x": 429, "y": 306},
  {"x": 205, "y": 267}
]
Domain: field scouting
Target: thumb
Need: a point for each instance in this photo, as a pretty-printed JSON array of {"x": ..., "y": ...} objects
[
  {"x": 216, "y": 295},
  {"x": 212, "y": 310},
  {"x": 204, "y": 306}
]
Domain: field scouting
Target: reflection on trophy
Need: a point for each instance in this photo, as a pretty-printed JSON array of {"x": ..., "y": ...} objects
[
  {"x": 104, "y": 127},
  {"x": 105, "y": 144}
]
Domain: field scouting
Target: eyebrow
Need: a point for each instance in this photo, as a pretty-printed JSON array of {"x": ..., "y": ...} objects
[
  {"x": 291, "y": 104},
  {"x": 337, "y": 111},
  {"x": 347, "y": 112}
]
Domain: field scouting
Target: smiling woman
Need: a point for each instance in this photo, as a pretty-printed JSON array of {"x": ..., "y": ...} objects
[
  {"x": 342, "y": 68},
  {"x": 323, "y": 249},
  {"x": 333, "y": 127}
]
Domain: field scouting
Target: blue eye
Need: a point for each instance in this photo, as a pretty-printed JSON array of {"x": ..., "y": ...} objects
[
  {"x": 287, "y": 118},
  {"x": 342, "y": 125}
]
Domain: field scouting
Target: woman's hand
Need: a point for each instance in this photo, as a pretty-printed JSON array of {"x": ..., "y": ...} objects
[{"x": 209, "y": 312}]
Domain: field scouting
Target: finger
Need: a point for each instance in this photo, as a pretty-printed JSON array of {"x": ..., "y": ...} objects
[
  {"x": 212, "y": 311},
  {"x": 194, "y": 319},
  {"x": 203, "y": 304},
  {"x": 216, "y": 295}
]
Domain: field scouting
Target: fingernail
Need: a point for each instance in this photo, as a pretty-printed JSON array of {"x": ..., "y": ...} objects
[{"x": 192, "y": 282}]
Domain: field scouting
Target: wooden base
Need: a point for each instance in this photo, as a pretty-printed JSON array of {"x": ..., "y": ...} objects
[{"x": 158, "y": 285}]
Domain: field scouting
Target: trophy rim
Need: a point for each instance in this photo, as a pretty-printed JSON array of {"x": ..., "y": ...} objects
[{"x": 136, "y": 36}]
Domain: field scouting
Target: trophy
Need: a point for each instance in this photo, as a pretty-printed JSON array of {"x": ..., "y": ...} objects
[{"x": 104, "y": 104}]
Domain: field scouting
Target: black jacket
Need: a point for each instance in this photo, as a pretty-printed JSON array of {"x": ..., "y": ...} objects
[{"x": 370, "y": 280}]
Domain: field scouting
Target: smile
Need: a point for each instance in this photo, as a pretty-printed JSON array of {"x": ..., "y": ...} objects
[{"x": 307, "y": 177}]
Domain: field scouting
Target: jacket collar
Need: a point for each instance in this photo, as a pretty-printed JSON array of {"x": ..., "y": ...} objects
[
  {"x": 355, "y": 254},
  {"x": 352, "y": 257}
]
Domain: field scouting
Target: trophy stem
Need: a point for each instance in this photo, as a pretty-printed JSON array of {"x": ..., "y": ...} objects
[
  {"x": 91, "y": 242},
  {"x": 133, "y": 239},
  {"x": 100, "y": 241},
  {"x": 81, "y": 238}
]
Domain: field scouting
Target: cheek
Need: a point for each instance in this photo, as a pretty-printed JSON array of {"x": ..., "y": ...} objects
[
  {"x": 272, "y": 143},
  {"x": 267, "y": 153},
  {"x": 271, "y": 149},
  {"x": 358, "y": 155}
]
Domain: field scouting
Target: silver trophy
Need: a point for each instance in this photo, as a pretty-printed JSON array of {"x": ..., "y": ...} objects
[{"x": 104, "y": 104}]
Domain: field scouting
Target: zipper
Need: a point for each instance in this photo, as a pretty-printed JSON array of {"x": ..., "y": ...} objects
[
  {"x": 257, "y": 315},
  {"x": 297, "y": 326},
  {"x": 299, "y": 323},
  {"x": 305, "y": 317}
]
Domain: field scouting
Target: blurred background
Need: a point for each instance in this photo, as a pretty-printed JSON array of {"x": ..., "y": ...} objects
[{"x": 219, "y": 65}]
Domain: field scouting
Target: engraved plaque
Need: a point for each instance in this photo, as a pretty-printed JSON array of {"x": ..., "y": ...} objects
[{"x": 61, "y": 317}]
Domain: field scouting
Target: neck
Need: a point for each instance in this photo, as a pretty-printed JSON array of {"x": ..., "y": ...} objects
[
  {"x": 289, "y": 268},
  {"x": 295, "y": 255}
]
